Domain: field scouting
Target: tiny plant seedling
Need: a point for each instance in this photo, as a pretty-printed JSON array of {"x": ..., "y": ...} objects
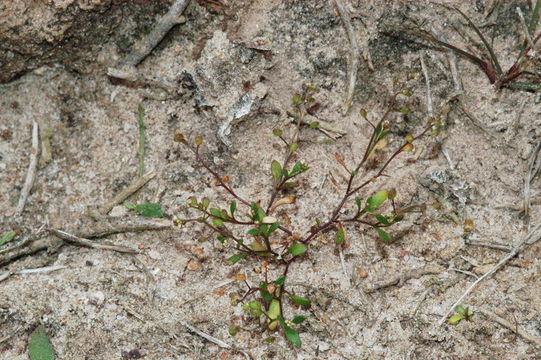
[
  {"x": 253, "y": 231},
  {"x": 462, "y": 313},
  {"x": 524, "y": 74}
]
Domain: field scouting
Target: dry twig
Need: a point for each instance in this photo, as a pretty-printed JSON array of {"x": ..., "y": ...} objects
[
  {"x": 32, "y": 168},
  {"x": 145, "y": 46},
  {"x": 503, "y": 322},
  {"x": 88, "y": 243},
  {"x": 408, "y": 275},
  {"x": 428, "y": 89},
  {"x": 534, "y": 166},
  {"x": 354, "y": 56},
  {"x": 212, "y": 339},
  {"x": 124, "y": 194},
  {"x": 530, "y": 239}
]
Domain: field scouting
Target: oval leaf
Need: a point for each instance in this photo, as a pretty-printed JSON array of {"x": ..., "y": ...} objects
[
  {"x": 300, "y": 300},
  {"x": 39, "y": 346},
  {"x": 276, "y": 170},
  {"x": 292, "y": 335},
  {"x": 384, "y": 236},
  {"x": 297, "y": 249},
  {"x": 373, "y": 202}
]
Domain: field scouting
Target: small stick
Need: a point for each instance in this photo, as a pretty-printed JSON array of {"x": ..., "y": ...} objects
[
  {"x": 408, "y": 275},
  {"x": 525, "y": 28},
  {"x": 346, "y": 283},
  {"x": 32, "y": 168},
  {"x": 41, "y": 269},
  {"x": 325, "y": 127},
  {"x": 87, "y": 243},
  {"x": 4, "y": 276},
  {"x": 503, "y": 322},
  {"x": 108, "y": 228},
  {"x": 354, "y": 55},
  {"x": 530, "y": 239},
  {"x": 142, "y": 127},
  {"x": 534, "y": 165},
  {"x": 212, "y": 339},
  {"x": 124, "y": 194},
  {"x": 145, "y": 46},
  {"x": 428, "y": 90}
]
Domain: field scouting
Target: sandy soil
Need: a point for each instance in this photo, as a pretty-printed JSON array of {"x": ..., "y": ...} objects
[{"x": 239, "y": 65}]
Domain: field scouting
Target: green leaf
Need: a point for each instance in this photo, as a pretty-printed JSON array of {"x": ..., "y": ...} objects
[
  {"x": 290, "y": 185},
  {"x": 296, "y": 169},
  {"x": 374, "y": 201},
  {"x": 7, "y": 237},
  {"x": 455, "y": 319},
  {"x": 273, "y": 227},
  {"x": 274, "y": 309},
  {"x": 233, "y": 259},
  {"x": 293, "y": 336},
  {"x": 150, "y": 210},
  {"x": 297, "y": 99},
  {"x": 205, "y": 202},
  {"x": 382, "y": 219},
  {"x": 277, "y": 132},
  {"x": 255, "y": 305},
  {"x": 293, "y": 147},
  {"x": 266, "y": 295},
  {"x": 297, "y": 249},
  {"x": 276, "y": 170},
  {"x": 233, "y": 207},
  {"x": 217, "y": 222},
  {"x": 358, "y": 202},
  {"x": 340, "y": 236},
  {"x": 221, "y": 238},
  {"x": 260, "y": 214},
  {"x": 461, "y": 309},
  {"x": 280, "y": 280},
  {"x": 253, "y": 232},
  {"x": 216, "y": 212},
  {"x": 298, "y": 319},
  {"x": 39, "y": 346},
  {"x": 131, "y": 206},
  {"x": 300, "y": 300},
  {"x": 383, "y": 235}
]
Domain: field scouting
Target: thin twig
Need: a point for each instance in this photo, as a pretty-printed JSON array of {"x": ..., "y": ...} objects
[
  {"x": 32, "y": 169},
  {"x": 145, "y": 46},
  {"x": 503, "y": 322},
  {"x": 124, "y": 194},
  {"x": 354, "y": 54},
  {"x": 41, "y": 269},
  {"x": 346, "y": 281},
  {"x": 325, "y": 127},
  {"x": 106, "y": 228},
  {"x": 141, "y": 124},
  {"x": 534, "y": 166},
  {"x": 428, "y": 89},
  {"x": 88, "y": 243},
  {"x": 530, "y": 239},
  {"x": 408, "y": 275},
  {"x": 212, "y": 339},
  {"x": 525, "y": 28}
]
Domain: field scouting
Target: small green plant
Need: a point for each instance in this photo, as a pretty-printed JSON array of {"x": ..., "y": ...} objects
[
  {"x": 254, "y": 232},
  {"x": 150, "y": 210},
  {"x": 462, "y": 313},
  {"x": 524, "y": 74},
  {"x": 7, "y": 237}
]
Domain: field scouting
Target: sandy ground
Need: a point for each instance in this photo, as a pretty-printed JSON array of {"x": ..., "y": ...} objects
[{"x": 249, "y": 60}]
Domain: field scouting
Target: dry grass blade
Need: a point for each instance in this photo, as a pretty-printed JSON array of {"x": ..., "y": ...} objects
[
  {"x": 354, "y": 56},
  {"x": 32, "y": 169},
  {"x": 530, "y": 239}
]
